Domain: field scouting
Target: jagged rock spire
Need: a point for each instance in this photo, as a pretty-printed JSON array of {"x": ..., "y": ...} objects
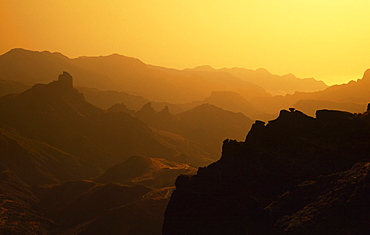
[{"x": 65, "y": 80}]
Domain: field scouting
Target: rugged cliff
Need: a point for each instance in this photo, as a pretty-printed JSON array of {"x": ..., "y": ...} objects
[{"x": 285, "y": 170}]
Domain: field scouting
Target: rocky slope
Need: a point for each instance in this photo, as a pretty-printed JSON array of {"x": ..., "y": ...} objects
[{"x": 232, "y": 195}]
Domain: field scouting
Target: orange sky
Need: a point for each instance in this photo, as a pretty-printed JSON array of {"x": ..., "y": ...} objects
[{"x": 327, "y": 40}]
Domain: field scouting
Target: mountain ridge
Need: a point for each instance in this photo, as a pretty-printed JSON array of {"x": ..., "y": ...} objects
[{"x": 275, "y": 158}]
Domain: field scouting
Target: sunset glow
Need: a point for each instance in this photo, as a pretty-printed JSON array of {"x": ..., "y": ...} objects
[{"x": 327, "y": 40}]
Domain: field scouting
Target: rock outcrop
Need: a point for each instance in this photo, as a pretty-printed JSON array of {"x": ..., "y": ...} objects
[{"x": 232, "y": 195}]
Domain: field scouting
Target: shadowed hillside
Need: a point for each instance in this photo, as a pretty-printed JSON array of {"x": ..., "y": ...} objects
[
  {"x": 205, "y": 124},
  {"x": 306, "y": 160},
  {"x": 36, "y": 162},
  {"x": 59, "y": 115}
]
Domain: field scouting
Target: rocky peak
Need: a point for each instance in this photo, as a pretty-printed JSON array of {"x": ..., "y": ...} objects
[
  {"x": 63, "y": 87},
  {"x": 165, "y": 111},
  {"x": 146, "y": 110},
  {"x": 65, "y": 80}
]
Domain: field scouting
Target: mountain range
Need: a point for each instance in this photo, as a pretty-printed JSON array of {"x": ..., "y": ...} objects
[
  {"x": 120, "y": 73},
  {"x": 56, "y": 145},
  {"x": 273, "y": 84},
  {"x": 108, "y": 80},
  {"x": 133, "y": 146}
]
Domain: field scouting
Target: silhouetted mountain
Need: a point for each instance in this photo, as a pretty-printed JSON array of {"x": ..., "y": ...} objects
[
  {"x": 38, "y": 67},
  {"x": 120, "y": 73},
  {"x": 346, "y": 96},
  {"x": 121, "y": 108},
  {"x": 205, "y": 124},
  {"x": 275, "y": 84},
  {"x": 227, "y": 100},
  {"x": 296, "y": 174},
  {"x": 210, "y": 125},
  {"x": 59, "y": 115},
  {"x": 106, "y": 99},
  {"x": 162, "y": 120},
  {"x": 353, "y": 92},
  {"x": 229, "y": 196},
  {"x": 232, "y": 101},
  {"x": 228, "y": 82}
]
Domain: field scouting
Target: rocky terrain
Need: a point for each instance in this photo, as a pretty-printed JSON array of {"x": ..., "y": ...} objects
[{"x": 295, "y": 174}]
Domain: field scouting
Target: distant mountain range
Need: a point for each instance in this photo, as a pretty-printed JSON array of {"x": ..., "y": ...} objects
[
  {"x": 58, "y": 114},
  {"x": 104, "y": 158},
  {"x": 274, "y": 84},
  {"x": 102, "y": 165},
  {"x": 120, "y": 73},
  {"x": 108, "y": 80},
  {"x": 347, "y": 97}
]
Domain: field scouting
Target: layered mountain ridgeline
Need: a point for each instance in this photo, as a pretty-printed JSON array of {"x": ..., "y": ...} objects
[
  {"x": 351, "y": 97},
  {"x": 127, "y": 80},
  {"x": 295, "y": 174},
  {"x": 120, "y": 73},
  {"x": 51, "y": 140},
  {"x": 205, "y": 124},
  {"x": 55, "y": 145},
  {"x": 274, "y": 84},
  {"x": 346, "y": 97},
  {"x": 106, "y": 99},
  {"x": 58, "y": 115}
]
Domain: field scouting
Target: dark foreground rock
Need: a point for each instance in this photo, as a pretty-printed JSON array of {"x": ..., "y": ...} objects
[{"x": 296, "y": 174}]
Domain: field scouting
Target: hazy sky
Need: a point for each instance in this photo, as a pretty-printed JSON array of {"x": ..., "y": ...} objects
[{"x": 327, "y": 40}]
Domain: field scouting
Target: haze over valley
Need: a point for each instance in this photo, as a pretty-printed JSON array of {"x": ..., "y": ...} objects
[
  {"x": 112, "y": 128},
  {"x": 184, "y": 117}
]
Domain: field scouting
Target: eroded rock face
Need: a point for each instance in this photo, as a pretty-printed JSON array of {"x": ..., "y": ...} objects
[{"x": 230, "y": 196}]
